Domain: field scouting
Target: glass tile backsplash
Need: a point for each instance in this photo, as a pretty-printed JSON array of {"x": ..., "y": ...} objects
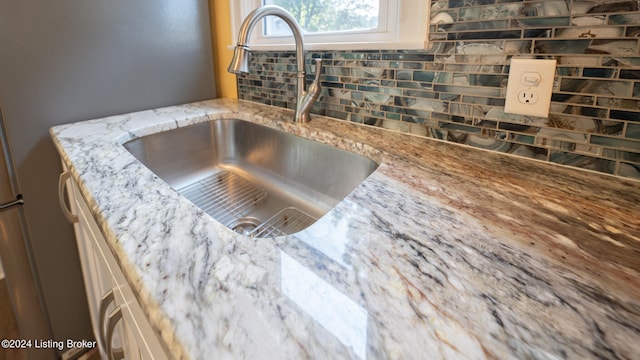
[{"x": 454, "y": 90}]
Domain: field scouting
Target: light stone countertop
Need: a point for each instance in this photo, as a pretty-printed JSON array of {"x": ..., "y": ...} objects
[{"x": 445, "y": 251}]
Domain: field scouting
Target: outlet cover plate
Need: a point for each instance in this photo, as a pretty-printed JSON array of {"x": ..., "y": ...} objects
[{"x": 530, "y": 74}]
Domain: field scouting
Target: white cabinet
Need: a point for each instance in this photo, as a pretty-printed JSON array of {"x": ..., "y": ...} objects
[{"x": 119, "y": 324}]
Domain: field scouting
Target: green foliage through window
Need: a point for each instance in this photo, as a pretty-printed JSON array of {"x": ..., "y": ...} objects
[{"x": 326, "y": 15}]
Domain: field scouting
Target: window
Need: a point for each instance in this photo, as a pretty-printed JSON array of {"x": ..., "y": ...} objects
[{"x": 340, "y": 24}]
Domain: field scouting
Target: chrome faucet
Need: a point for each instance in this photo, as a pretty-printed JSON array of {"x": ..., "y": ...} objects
[{"x": 242, "y": 55}]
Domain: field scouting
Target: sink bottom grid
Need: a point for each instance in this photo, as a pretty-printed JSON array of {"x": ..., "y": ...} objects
[
  {"x": 288, "y": 221},
  {"x": 229, "y": 198},
  {"x": 225, "y": 196}
]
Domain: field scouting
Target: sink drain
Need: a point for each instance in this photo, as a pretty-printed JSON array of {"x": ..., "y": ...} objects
[{"x": 245, "y": 225}]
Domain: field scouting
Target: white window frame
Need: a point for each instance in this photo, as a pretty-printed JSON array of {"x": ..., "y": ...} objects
[{"x": 403, "y": 27}]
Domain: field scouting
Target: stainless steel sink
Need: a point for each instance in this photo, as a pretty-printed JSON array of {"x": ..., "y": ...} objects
[{"x": 254, "y": 179}]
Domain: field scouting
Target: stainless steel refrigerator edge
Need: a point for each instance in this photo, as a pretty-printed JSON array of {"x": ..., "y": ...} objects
[
  {"x": 69, "y": 60},
  {"x": 16, "y": 254}
]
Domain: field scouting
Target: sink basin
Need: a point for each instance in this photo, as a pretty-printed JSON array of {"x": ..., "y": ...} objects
[{"x": 254, "y": 179}]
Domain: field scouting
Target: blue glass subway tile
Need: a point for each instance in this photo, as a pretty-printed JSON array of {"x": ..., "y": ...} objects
[
  {"x": 351, "y": 86},
  {"x": 599, "y": 72},
  {"x": 478, "y": 25},
  {"x": 369, "y": 88},
  {"x": 622, "y": 155},
  {"x": 615, "y": 142},
  {"x": 610, "y": 127},
  {"x": 392, "y": 116},
  {"x": 633, "y": 131},
  {"x": 588, "y": 111},
  {"x": 391, "y": 109},
  {"x": 582, "y": 161},
  {"x": 389, "y": 83},
  {"x": 460, "y": 127},
  {"x": 404, "y": 75},
  {"x": 357, "y": 118},
  {"x": 336, "y": 71},
  {"x": 543, "y": 21},
  {"x": 325, "y": 78},
  {"x": 350, "y": 56},
  {"x": 424, "y": 76},
  {"x": 629, "y": 170},
  {"x": 476, "y": 68},
  {"x": 490, "y": 12},
  {"x": 378, "y": 98},
  {"x": 487, "y": 80},
  {"x": 625, "y": 115},
  {"x": 463, "y": 3},
  {"x": 391, "y": 90},
  {"x": 479, "y": 100},
  {"x": 487, "y": 124},
  {"x": 537, "y": 33},
  {"x": 489, "y": 143},
  {"x": 561, "y": 46},
  {"x": 629, "y": 74},
  {"x": 411, "y": 65},
  {"x": 572, "y": 99},
  {"x": 525, "y": 139},
  {"x": 593, "y": 86},
  {"x": 514, "y": 127},
  {"x": 260, "y": 100},
  {"x": 400, "y": 101},
  {"x": 435, "y": 36},
  {"x": 449, "y": 96},
  {"x": 636, "y": 90},
  {"x": 481, "y": 35},
  {"x": 617, "y": 103},
  {"x": 279, "y": 103},
  {"x": 419, "y": 113},
  {"x": 468, "y": 90},
  {"x": 426, "y": 94},
  {"x": 404, "y": 56},
  {"x": 370, "y": 120},
  {"x": 633, "y": 31},
  {"x": 378, "y": 114},
  {"x": 614, "y": 46},
  {"x": 625, "y": 19},
  {"x": 335, "y": 85},
  {"x": 614, "y": 7},
  {"x": 337, "y": 114},
  {"x": 621, "y": 61},
  {"x": 414, "y": 85},
  {"x": 568, "y": 70},
  {"x": 369, "y": 81},
  {"x": 549, "y": 7}
]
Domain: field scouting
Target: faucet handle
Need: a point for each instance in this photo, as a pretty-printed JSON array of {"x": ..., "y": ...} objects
[
  {"x": 310, "y": 96},
  {"x": 318, "y": 70},
  {"x": 314, "y": 88}
]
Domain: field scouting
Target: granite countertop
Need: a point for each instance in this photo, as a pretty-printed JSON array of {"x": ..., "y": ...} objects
[{"x": 445, "y": 251}]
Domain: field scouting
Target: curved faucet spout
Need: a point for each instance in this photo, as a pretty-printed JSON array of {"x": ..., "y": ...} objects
[{"x": 242, "y": 55}]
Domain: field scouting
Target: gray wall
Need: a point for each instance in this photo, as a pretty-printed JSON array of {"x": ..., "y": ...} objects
[{"x": 65, "y": 61}]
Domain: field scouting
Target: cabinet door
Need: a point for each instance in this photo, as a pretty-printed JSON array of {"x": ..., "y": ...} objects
[
  {"x": 119, "y": 324},
  {"x": 146, "y": 339},
  {"x": 110, "y": 327},
  {"x": 95, "y": 281}
]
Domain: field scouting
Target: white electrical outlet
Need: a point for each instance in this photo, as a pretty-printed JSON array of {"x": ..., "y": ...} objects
[
  {"x": 528, "y": 96},
  {"x": 530, "y": 86}
]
